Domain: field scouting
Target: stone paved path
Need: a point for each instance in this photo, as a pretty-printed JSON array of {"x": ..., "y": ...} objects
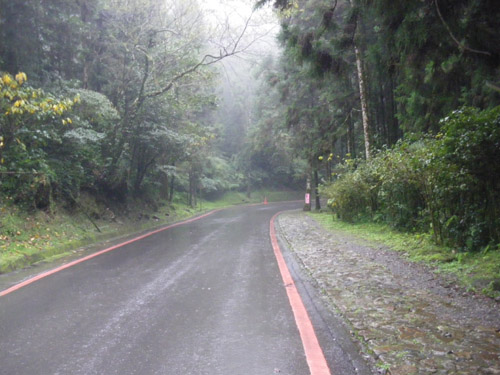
[{"x": 410, "y": 320}]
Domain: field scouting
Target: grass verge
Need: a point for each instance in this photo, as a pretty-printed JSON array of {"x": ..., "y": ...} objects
[
  {"x": 27, "y": 238},
  {"x": 478, "y": 272}
]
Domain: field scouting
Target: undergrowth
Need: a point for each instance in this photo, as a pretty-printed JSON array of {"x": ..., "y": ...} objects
[{"x": 28, "y": 236}]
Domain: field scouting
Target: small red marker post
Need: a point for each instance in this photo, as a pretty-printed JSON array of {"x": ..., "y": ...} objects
[
  {"x": 265, "y": 200},
  {"x": 307, "y": 200}
]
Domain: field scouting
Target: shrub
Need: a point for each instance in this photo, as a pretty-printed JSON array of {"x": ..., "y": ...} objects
[
  {"x": 448, "y": 184},
  {"x": 401, "y": 198},
  {"x": 467, "y": 190},
  {"x": 353, "y": 195}
]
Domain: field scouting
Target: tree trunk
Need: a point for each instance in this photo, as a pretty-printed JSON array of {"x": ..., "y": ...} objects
[
  {"x": 85, "y": 17},
  {"x": 249, "y": 188},
  {"x": 351, "y": 150},
  {"x": 164, "y": 186},
  {"x": 172, "y": 186},
  {"x": 190, "y": 190},
  {"x": 392, "y": 121},
  {"x": 85, "y": 75},
  {"x": 367, "y": 129},
  {"x": 316, "y": 191},
  {"x": 363, "y": 95},
  {"x": 382, "y": 127}
]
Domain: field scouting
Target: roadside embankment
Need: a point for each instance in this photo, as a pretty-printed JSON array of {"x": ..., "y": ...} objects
[{"x": 28, "y": 237}]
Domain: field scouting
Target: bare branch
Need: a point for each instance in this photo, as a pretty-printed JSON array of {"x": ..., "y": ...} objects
[
  {"x": 243, "y": 31},
  {"x": 140, "y": 97},
  {"x": 461, "y": 46},
  {"x": 16, "y": 173},
  {"x": 167, "y": 31},
  {"x": 493, "y": 86},
  {"x": 207, "y": 60}
]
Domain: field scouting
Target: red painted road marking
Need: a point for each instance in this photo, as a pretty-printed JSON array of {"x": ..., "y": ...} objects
[
  {"x": 81, "y": 260},
  {"x": 314, "y": 354}
]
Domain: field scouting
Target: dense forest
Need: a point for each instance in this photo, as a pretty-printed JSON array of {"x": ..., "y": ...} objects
[
  {"x": 390, "y": 108},
  {"x": 115, "y": 98},
  {"x": 394, "y": 106}
]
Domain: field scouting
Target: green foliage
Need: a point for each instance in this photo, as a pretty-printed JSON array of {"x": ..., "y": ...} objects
[
  {"x": 80, "y": 157},
  {"x": 219, "y": 176},
  {"x": 351, "y": 196},
  {"x": 403, "y": 180},
  {"x": 469, "y": 182},
  {"x": 146, "y": 98},
  {"x": 448, "y": 185},
  {"x": 145, "y": 122},
  {"x": 433, "y": 73},
  {"x": 420, "y": 59},
  {"x": 30, "y": 124},
  {"x": 271, "y": 156}
]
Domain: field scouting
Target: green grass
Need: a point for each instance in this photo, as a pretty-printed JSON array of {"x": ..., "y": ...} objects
[
  {"x": 30, "y": 237},
  {"x": 478, "y": 272}
]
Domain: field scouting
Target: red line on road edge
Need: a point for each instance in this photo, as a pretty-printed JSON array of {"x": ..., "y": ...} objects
[
  {"x": 81, "y": 260},
  {"x": 314, "y": 354}
]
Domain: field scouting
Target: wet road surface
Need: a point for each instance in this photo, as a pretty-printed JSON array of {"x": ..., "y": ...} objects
[{"x": 201, "y": 298}]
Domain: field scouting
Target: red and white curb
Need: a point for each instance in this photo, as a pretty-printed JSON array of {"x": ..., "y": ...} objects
[
  {"x": 91, "y": 256},
  {"x": 314, "y": 354}
]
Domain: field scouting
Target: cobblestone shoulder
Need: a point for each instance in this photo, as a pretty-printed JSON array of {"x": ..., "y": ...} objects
[{"x": 411, "y": 321}]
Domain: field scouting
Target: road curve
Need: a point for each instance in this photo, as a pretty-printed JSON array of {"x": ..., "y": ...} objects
[{"x": 205, "y": 297}]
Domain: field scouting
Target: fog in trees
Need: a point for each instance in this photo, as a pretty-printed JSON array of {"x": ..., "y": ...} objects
[{"x": 156, "y": 100}]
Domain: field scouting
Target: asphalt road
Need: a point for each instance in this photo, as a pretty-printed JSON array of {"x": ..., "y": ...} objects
[{"x": 201, "y": 298}]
